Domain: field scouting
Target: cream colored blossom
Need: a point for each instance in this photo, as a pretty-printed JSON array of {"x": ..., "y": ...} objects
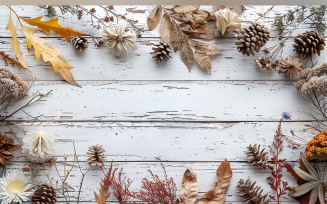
[
  {"x": 117, "y": 40},
  {"x": 227, "y": 21},
  {"x": 15, "y": 188}
]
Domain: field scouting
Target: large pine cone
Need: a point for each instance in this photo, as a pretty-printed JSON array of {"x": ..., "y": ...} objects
[
  {"x": 44, "y": 195},
  {"x": 252, "y": 38},
  {"x": 161, "y": 51},
  {"x": 309, "y": 43},
  {"x": 79, "y": 43}
]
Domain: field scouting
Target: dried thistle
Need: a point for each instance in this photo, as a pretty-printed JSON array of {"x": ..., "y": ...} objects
[
  {"x": 257, "y": 158},
  {"x": 251, "y": 193}
]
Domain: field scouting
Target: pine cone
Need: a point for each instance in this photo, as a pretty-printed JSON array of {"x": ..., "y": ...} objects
[
  {"x": 257, "y": 158},
  {"x": 44, "y": 195},
  {"x": 252, "y": 38},
  {"x": 251, "y": 193},
  {"x": 161, "y": 51},
  {"x": 96, "y": 155},
  {"x": 79, "y": 43},
  {"x": 309, "y": 43}
]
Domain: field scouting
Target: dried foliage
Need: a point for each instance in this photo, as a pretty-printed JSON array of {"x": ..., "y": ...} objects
[
  {"x": 12, "y": 61},
  {"x": 161, "y": 191},
  {"x": 275, "y": 182},
  {"x": 311, "y": 181},
  {"x": 49, "y": 54},
  {"x": 251, "y": 193},
  {"x": 220, "y": 186},
  {"x": 309, "y": 43},
  {"x": 120, "y": 184},
  {"x": 257, "y": 158},
  {"x": 290, "y": 66},
  {"x": 316, "y": 148},
  {"x": 104, "y": 186},
  {"x": 6, "y": 148},
  {"x": 298, "y": 14},
  {"x": 179, "y": 34},
  {"x": 190, "y": 187}
]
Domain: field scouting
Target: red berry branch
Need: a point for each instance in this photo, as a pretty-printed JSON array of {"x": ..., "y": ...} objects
[{"x": 279, "y": 186}]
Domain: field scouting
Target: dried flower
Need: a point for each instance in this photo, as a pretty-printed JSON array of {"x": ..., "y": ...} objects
[
  {"x": 15, "y": 188},
  {"x": 96, "y": 155},
  {"x": 111, "y": 7},
  {"x": 286, "y": 116},
  {"x": 291, "y": 66},
  {"x": 38, "y": 147},
  {"x": 12, "y": 85},
  {"x": 313, "y": 79},
  {"x": 120, "y": 186},
  {"x": 316, "y": 148},
  {"x": 227, "y": 21},
  {"x": 92, "y": 10},
  {"x": 6, "y": 148},
  {"x": 106, "y": 19},
  {"x": 117, "y": 40}
]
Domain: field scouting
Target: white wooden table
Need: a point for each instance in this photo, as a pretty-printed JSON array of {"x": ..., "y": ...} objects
[{"x": 145, "y": 113}]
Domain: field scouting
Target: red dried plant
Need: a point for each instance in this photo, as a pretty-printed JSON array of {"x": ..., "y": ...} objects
[
  {"x": 158, "y": 191},
  {"x": 279, "y": 186},
  {"x": 120, "y": 186}
]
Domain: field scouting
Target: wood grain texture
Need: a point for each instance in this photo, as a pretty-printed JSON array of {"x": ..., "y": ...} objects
[{"x": 167, "y": 101}]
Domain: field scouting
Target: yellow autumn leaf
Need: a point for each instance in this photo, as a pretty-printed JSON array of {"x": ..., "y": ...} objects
[
  {"x": 49, "y": 54},
  {"x": 47, "y": 26},
  {"x": 15, "y": 42}
]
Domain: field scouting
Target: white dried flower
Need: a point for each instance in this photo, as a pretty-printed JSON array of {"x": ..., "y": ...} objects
[
  {"x": 15, "y": 188},
  {"x": 117, "y": 40},
  {"x": 227, "y": 21},
  {"x": 38, "y": 147}
]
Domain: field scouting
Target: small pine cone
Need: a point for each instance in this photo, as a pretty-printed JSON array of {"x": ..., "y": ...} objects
[
  {"x": 309, "y": 43},
  {"x": 251, "y": 193},
  {"x": 96, "y": 155},
  {"x": 44, "y": 195},
  {"x": 79, "y": 43},
  {"x": 257, "y": 158},
  {"x": 162, "y": 50},
  {"x": 252, "y": 38}
]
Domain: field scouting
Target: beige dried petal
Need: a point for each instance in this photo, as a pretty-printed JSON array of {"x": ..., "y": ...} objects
[{"x": 227, "y": 21}]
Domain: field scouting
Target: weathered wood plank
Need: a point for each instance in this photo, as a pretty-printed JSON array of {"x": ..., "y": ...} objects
[
  {"x": 157, "y": 141},
  {"x": 167, "y": 101}
]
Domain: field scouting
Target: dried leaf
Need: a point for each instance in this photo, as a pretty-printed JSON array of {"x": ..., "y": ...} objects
[
  {"x": 47, "y": 26},
  {"x": 238, "y": 9},
  {"x": 190, "y": 187},
  {"x": 165, "y": 28},
  {"x": 176, "y": 36},
  {"x": 187, "y": 55},
  {"x": 170, "y": 7},
  {"x": 203, "y": 60},
  {"x": 204, "y": 31},
  {"x": 194, "y": 18},
  {"x": 12, "y": 61},
  {"x": 207, "y": 48},
  {"x": 185, "y": 9},
  {"x": 218, "y": 194},
  {"x": 103, "y": 195},
  {"x": 48, "y": 53},
  {"x": 15, "y": 42},
  {"x": 154, "y": 17}
]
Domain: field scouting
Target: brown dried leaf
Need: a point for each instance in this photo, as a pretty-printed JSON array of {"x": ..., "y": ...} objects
[
  {"x": 190, "y": 187},
  {"x": 187, "y": 55},
  {"x": 176, "y": 35},
  {"x": 154, "y": 17},
  {"x": 103, "y": 195},
  {"x": 238, "y": 9},
  {"x": 207, "y": 48},
  {"x": 165, "y": 28},
  {"x": 203, "y": 31},
  {"x": 196, "y": 17},
  {"x": 218, "y": 194},
  {"x": 185, "y": 9},
  {"x": 170, "y": 7},
  {"x": 203, "y": 60}
]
